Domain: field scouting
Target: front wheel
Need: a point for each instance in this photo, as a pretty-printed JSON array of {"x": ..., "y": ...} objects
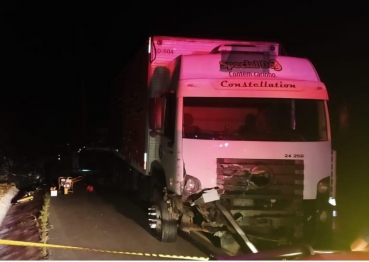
[{"x": 161, "y": 221}]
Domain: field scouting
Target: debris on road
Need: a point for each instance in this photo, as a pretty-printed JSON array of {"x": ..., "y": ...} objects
[
  {"x": 25, "y": 198},
  {"x": 7, "y": 192}
]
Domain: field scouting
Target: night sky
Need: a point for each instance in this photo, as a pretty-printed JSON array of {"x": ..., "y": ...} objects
[{"x": 52, "y": 47}]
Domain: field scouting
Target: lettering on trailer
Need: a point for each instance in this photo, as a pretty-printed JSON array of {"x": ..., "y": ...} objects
[
  {"x": 258, "y": 84},
  {"x": 251, "y": 74},
  {"x": 251, "y": 64}
]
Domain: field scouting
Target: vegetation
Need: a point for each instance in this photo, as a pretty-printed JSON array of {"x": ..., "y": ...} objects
[{"x": 43, "y": 223}]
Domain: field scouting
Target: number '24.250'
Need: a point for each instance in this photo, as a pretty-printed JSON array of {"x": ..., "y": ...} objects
[{"x": 294, "y": 155}]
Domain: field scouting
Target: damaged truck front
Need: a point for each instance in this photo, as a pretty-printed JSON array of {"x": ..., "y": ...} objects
[{"x": 231, "y": 141}]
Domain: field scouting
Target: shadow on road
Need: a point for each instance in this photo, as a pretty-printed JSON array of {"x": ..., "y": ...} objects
[{"x": 126, "y": 205}]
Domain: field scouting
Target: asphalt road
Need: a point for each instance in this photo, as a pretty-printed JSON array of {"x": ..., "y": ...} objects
[{"x": 106, "y": 221}]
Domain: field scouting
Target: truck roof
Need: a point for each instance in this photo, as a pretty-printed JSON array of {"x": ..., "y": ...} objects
[
  {"x": 167, "y": 48},
  {"x": 231, "y": 62},
  {"x": 211, "y": 41},
  {"x": 202, "y": 57}
]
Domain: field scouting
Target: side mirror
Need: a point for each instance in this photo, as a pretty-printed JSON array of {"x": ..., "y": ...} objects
[{"x": 156, "y": 112}]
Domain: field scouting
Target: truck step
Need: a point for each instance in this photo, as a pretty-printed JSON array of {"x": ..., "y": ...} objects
[{"x": 152, "y": 217}]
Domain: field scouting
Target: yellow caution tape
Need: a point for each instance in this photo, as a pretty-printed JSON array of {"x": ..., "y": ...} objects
[{"x": 42, "y": 245}]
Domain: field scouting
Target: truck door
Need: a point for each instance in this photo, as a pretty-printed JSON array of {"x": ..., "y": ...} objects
[{"x": 167, "y": 152}]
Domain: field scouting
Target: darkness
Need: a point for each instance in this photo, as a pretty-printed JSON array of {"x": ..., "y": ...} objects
[{"x": 59, "y": 58}]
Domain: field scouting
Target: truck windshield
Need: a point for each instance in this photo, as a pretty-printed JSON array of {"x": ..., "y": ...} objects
[{"x": 254, "y": 119}]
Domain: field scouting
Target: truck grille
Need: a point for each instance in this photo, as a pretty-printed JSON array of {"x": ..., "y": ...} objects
[
  {"x": 267, "y": 202},
  {"x": 286, "y": 177}
]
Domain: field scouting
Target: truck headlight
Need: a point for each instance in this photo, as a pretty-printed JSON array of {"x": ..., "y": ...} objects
[{"x": 191, "y": 184}]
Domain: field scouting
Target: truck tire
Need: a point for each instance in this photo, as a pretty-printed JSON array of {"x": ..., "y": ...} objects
[{"x": 166, "y": 226}]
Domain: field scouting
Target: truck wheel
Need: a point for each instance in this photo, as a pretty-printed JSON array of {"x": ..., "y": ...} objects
[{"x": 165, "y": 227}]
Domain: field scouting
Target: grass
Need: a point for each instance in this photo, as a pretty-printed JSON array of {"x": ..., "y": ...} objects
[{"x": 43, "y": 222}]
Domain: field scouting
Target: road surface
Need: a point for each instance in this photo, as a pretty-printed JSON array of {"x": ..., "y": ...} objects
[{"x": 106, "y": 221}]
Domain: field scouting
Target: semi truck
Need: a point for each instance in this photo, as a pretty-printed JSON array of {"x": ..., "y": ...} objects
[{"x": 228, "y": 140}]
